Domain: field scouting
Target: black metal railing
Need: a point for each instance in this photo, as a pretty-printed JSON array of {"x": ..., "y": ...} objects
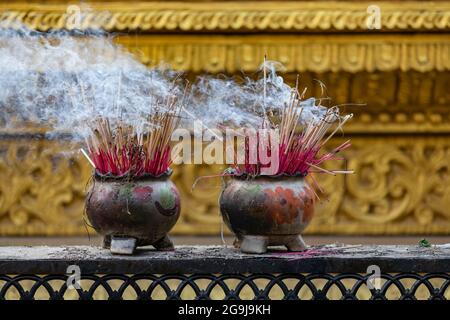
[{"x": 217, "y": 287}]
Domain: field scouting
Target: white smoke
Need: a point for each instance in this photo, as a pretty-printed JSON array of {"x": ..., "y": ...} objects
[
  {"x": 238, "y": 103},
  {"x": 63, "y": 80}
]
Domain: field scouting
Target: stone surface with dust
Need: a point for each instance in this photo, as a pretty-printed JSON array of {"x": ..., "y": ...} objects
[{"x": 219, "y": 259}]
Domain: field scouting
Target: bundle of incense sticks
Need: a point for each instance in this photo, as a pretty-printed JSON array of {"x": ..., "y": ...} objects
[
  {"x": 125, "y": 150},
  {"x": 299, "y": 144}
]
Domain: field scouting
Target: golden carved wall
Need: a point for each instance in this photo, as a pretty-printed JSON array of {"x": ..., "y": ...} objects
[{"x": 401, "y": 138}]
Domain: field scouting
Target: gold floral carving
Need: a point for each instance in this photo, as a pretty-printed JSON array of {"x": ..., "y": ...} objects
[
  {"x": 42, "y": 189},
  {"x": 402, "y": 186},
  {"x": 234, "y": 16},
  {"x": 403, "y": 180}
]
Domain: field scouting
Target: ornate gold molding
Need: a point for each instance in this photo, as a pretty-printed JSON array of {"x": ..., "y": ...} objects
[
  {"x": 315, "y": 53},
  {"x": 234, "y": 16}
]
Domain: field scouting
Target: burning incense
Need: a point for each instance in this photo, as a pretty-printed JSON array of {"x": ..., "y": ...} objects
[
  {"x": 127, "y": 150},
  {"x": 87, "y": 157},
  {"x": 300, "y": 143}
]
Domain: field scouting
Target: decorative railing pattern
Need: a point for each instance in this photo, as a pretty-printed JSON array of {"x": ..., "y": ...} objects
[{"x": 345, "y": 286}]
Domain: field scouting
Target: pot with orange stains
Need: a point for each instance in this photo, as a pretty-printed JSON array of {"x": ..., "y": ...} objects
[
  {"x": 267, "y": 210},
  {"x": 131, "y": 212}
]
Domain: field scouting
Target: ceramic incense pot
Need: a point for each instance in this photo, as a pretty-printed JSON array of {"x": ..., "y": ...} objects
[
  {"x": 263, "y": 211},
  {"x": 133, "y": 212}
]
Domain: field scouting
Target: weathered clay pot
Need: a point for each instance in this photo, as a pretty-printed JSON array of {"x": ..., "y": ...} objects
[
  {"x": 264, "y": 211},
  {"x": 130, "y": 213}
]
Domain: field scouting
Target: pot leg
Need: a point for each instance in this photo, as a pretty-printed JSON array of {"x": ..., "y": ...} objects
[
  {"x": 106, "y": 242},
  {"x": 254, "y": 244},
  {"x": 237, "y": 242},
  {"x": 164, "y": 244},
  {"x": 295, "y": 243},
  {"x": 122, "y": 245}
]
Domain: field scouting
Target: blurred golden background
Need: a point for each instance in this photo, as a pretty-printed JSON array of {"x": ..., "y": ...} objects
[{"x": 401, "y": 145}]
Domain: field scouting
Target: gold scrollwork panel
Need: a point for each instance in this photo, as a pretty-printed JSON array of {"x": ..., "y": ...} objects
[{"x": 402, "y": 186}]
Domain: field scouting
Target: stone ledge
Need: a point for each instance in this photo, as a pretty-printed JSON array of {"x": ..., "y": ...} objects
[{"x": 216, "y": 259}]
